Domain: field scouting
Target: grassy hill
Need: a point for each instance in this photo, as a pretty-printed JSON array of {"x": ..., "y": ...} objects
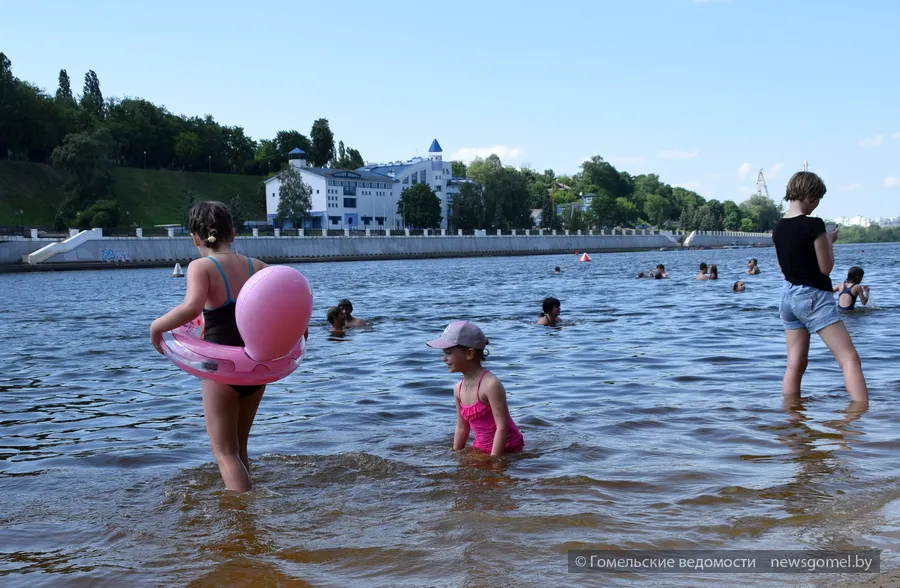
[{"x": 150, "y": 197}]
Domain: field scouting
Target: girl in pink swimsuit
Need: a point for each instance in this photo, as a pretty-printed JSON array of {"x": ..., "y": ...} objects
[{"x": 480, "y": 397}]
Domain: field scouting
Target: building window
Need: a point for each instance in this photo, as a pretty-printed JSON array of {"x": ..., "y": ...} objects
[
  {"x": 349, "y": 202},
  {"x": 437, "y": 188},
  {"x": 317, "y": 190},
  {"x": 405, "y": 180}
]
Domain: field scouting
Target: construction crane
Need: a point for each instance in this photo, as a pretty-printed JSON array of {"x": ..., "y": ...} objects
[{"x": 761, "y": 189}]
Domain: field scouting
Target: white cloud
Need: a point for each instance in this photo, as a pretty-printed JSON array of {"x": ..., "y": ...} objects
[
  {"x": 895, "y": 136},
  {"x": 677, "y": 154},
  {"x": 773, "y": 171},
  {"x": 744, "y": 169},
  {"x": 871, "y": 141},
  {"x": 891, "y": 182},
  {"x": 508, "y": 155},
  {"x": 850, "y": 187}
]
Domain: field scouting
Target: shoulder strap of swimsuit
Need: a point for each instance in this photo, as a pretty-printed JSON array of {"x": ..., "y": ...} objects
[
  {"x": 478, "y": 388},
  {"x": 222, "y": 271},
  {"x": 250, "y": 263}
]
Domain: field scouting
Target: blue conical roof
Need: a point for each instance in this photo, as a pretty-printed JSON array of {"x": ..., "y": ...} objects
[
  {"x": 296, "y": 151},
  {"x": 435, "y": 147}
]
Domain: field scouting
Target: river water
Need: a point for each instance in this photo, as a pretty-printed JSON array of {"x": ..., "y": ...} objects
[{"x": 653, "y": 420}]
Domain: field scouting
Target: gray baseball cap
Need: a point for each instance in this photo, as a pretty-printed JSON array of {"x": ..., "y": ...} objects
[{"x": 461, "y": 333}]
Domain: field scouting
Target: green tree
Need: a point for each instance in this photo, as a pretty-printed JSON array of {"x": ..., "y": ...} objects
[
  {"x": 188, "y": 150},
  {"x": 549, "y": 218},
  {"x": 102, "y": 214},
  {"x": 294, "y": 197},
  {"x": 604, "y": 208},
  {"x": 348, "y": 158},
  {"x": 84, "y": 160},
  {"x": 627, "y": 213},
  {"x": 92, "y": 98},
  {"x": 506, "y": 197},
  {"x": 762, "y": 211},
  {"x": 479, "y": 168},
  {"x": 467, "y": 208},
  {"x": 732, "y": 221},
  {"x": 747, "y": 225},
  {"x": 64, "y": 92},
  {"x": 322, "y": 147},
  {"x": 238, "y": 213},
  {"x": 420, "y": 207},
  {"x": 574, "y": 219},
  {"x": 458, "y": 169},
  {"x": 603, "y": 175},
  {"x": 658, "y": 209}
]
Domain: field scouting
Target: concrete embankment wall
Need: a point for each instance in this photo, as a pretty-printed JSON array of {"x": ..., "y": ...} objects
[{"x": 165, "y": 250}]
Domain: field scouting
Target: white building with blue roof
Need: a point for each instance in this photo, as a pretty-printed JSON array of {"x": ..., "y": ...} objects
[{"x": 366, "y": 197}]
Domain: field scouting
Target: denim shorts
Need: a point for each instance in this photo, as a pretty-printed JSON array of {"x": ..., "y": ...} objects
[{"x": 805, "y": 307}]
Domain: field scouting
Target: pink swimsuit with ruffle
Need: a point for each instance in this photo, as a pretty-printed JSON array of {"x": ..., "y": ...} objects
[{"x": 481, "y": 421}]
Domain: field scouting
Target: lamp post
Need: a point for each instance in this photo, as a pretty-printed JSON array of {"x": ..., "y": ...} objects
[
  {"x": 209, "y": 161},
  {"x": 145, "y": 160}
]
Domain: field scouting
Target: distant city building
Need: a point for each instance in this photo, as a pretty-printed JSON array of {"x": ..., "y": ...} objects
[
  {"x": 862, "y": 221},
  {"x": 367, "y": 197}
]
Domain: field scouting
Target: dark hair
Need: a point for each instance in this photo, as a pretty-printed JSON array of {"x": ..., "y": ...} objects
[
  {"x": 855, "y": 274},
  {"x": 556, "y": 269},
  {"x": 549, "y": 304},
  {"x": 212, "y": 223},
  {"x": 480, "y": 354},
  {"x": 343, "y": 302},
  {"x": 640, "y": 274},
  {"x": 661, "y": 266},
  {"x": 657, "y": 276},
  {"x": 735, "y": 287},
  {"x": 805, "y": 187},
  {"x": 702, "y": 266},
  {"x": 713, "y": 271},
  {"x": 333, "y": 313},
  {"x": 753, "y": 260}
]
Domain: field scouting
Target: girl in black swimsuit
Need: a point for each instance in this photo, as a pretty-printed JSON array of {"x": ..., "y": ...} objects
[{"x": 213, "y": 284}]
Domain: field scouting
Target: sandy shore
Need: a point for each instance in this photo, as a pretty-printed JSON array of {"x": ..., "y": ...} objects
[{"x": 890, "y": 579}]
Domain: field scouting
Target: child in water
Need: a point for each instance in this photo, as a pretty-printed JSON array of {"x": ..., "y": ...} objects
[
  {"x": 805, "y": 253},
  {"x": 336, "y": 319},
  {"x": 213, "y": 284},
  {"x": 738, "y": 286},
  {"x": 714, "y": 272},
  {"x": 480, "y": 397},
  {"x": 851, "y": 289},
  {"x": 550, "y": 315}
]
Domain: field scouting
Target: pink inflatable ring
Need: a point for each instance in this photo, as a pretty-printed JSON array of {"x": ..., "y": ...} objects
[{"x": 224, "y": 364}]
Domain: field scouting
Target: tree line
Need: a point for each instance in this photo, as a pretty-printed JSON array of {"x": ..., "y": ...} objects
[
  {"x": 503, "y": 197},
  {"x": 85, "y": 135}
]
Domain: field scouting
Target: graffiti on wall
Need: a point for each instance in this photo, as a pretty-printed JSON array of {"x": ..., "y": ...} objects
[{"x": 114, "y": 255}]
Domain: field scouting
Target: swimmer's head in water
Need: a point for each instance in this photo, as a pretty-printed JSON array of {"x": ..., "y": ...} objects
[
  {"x": 334, "y": 313},
  {"x": 345, "y": 306},
  {"x": 641, "y": 275},
  {"x": 556, "y": 269},
  {"x": 211, "y": 223},
  {"x": 738, "y": 286},
  {"x": 702, "y": 267},
  {"x": 661, "y": 267},
  {"x": 549, "y": 304}
]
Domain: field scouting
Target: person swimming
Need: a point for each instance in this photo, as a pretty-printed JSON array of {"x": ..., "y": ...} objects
[
  {"x": 752, "y": 267},
  {"x": 556, "y": 270},
  {"x": 336, "y": 319},
  {"x": 350, "y": 321},
  {"x": 850, "y": 289},
  {"x": 550, "y": 315},
  {"x": 713, "y": 272},
  {"x": 701, "y": 275},
  {"x": 738, "y": 286}
]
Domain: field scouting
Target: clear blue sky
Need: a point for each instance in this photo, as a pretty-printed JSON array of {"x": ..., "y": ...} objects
[{"x": 704, "y": 93}]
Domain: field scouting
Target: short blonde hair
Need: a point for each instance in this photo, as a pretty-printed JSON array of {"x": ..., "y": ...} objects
[{"x": 805, "y": 187}]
